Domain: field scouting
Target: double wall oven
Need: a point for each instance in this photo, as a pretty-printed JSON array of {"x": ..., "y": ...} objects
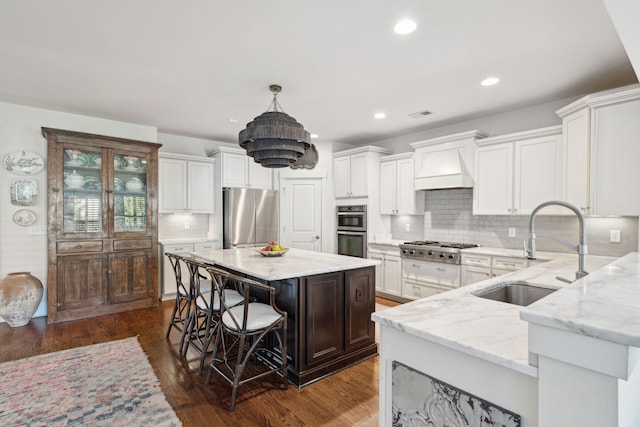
[
  {"x": 430, "y": 267},
  {"x": 352, "y": 230}
]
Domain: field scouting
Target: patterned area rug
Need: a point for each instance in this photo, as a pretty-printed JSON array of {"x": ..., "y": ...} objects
[{"x": 110, "y": 384}]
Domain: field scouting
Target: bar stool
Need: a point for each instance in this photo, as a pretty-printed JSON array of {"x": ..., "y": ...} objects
[
  {"x": 182, "y": 307},
  {"x": 242, "y": 331},
  {"x": 205, "y": 315}
]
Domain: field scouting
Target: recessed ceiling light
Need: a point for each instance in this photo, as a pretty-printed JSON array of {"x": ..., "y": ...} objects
[
  {"x": 405, "y": 27},
  {"x": 379, "y": 115},
  {"x": 314, "y": 135},
  {"x": 234, "y": 120},
  {"x": 490, "y": 81}
]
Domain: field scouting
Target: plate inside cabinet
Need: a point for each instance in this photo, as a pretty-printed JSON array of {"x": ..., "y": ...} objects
[
  {"x": 23, "y": 163},
  {"x": 24, "y": 217}
]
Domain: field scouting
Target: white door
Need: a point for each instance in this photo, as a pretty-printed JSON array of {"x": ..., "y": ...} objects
[{"x": 301, "y": 213}]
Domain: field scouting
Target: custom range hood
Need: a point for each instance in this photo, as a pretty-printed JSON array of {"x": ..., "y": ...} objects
[{"x": 445, "y": 162}]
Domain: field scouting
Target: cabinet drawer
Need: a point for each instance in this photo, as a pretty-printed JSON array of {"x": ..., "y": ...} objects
[
  {"x": 414, "y": 290},
  {"x": 78, "y": 247},
  {"x": 125, "y": 244},
  {"x": 509, "y": 263},
  {"x": 432, "y": 272},
  {"x": 474, "y": 259},
  {"x": 178, "y": 249},
  {"x": 205, "y": 246}
]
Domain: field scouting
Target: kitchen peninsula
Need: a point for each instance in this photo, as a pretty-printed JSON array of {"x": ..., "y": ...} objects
[
  {"x": 328, "y": 299},
  {"x": 570, "y": 358}
]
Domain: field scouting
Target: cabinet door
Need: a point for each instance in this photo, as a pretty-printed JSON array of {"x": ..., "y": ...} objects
[
  {"x": 235, "y": 170},
  {"x": 380, "y": 270},
  {"x": 360, "y": 301},
  {"x": 342, "y": 176},
  {"x": 259, "y": 177},
  {"x": 388, "y": 188},
  {"x": 200, "y": 188},
  {"x": 172, "y": 197},
  {"x": 576, "y": 134},
  {"x": 493, "y": 191},
  {"x": 131, "y": 212},
  {"x": 615, "y": 155},
  {"x": 392, "y": 275},
  {"x": 84, "y": 193},
  {"x": 407, "y": 199},
  {"x": 537, "y": 174},
  {"x": 131, "y": 276},
  {"x": 324, "y": 317},
  {"x": 359, "y": 177},
  {"x": 472, "y": 274},
  {"x": 81, "y": 284}
]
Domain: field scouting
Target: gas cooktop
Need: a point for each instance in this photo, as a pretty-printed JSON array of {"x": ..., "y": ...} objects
[
  {"x": 431, "y": 250},
  {"x": 441, "y": 244}
]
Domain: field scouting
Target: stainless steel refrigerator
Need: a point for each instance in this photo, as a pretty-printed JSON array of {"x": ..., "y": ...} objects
[{"x": 249, "y": 217}]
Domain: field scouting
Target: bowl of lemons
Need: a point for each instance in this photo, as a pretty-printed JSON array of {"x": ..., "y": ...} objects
[{"x": 272, "y": 249}]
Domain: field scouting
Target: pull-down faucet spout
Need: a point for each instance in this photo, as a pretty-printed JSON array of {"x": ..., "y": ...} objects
[{"x": 581, "y": 248}]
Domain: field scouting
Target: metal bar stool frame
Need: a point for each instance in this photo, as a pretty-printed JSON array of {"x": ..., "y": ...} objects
[
  {"x": 237, "y": 341},
  {"x": 182, "y": 306}
]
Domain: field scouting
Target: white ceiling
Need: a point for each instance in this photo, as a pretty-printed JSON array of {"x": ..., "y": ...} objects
[{"x": 188, "y": 67}]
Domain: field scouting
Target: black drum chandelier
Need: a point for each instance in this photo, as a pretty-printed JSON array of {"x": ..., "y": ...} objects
[{"x": 274, "y": 139}]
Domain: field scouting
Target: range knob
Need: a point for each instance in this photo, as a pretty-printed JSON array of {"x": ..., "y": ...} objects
[
  {"x": 430, "y": 253},
  {"x": 451, "y": 256},
  {"x": 412, "y": 252},
  {"x": 441, "y": 255}
]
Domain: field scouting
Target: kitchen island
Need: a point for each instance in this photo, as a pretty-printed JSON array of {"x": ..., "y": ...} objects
[
  {"x": 328, "y": 299},
  {"x": 570, "y": 358}
]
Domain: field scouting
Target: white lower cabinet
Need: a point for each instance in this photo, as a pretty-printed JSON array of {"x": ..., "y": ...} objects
[
  {"x": 169, "y": 287},
  {"x": 388, "y": 273},
  {"x": 479, "y": 267}
]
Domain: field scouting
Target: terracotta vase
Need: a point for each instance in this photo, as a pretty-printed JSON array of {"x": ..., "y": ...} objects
[{"x": 20, "y": 295}]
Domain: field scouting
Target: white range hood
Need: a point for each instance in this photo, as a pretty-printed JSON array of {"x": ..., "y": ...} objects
[{"x": 445, "y": 162}]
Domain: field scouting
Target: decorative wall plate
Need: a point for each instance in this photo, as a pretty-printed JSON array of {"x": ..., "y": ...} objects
[
  {"x": 308, "y": 159},
  {"x": 23, "y": 163},
  {"x": 24, "y": 192},
  {"x": 24, "y": 217}
]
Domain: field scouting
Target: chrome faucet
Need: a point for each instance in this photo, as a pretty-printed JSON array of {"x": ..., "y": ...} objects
[{"x": 581, "y": 248}]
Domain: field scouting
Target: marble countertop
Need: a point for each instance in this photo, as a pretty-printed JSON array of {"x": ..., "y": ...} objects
[
  {"x": 605, "y": 304},
  {"x": 483, "y": 328},
  {"x": 295, "y": 263},
  {"x": 177, "y": 241},
  {"x": 387, "y": 242}
]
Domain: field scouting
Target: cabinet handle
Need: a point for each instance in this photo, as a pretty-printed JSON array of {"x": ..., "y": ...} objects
[
  {"x": 78, "y": 246},
  {"x": 108, "y": 191},
  {"x": 441, "y": 269},
  {"x": 515, "y": 210},
  {"x": 415, "y": 265},
  {"x": 109, "y": 271},
  {"x": 509, "y": 263}
]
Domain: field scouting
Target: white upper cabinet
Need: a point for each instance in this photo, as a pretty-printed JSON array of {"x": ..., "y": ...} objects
[
  {"x": 601, "y": 134},
  {"x": 353, "y": 170},
  {"x": 515, "y": 173},
  {"x": 397, "y": 195},
  {"x": 186, "y": 184},
  {"x": 239, "y": 170}
]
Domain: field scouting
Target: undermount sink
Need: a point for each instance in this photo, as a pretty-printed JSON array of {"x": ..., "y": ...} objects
[{"x": 516, "y": 292}]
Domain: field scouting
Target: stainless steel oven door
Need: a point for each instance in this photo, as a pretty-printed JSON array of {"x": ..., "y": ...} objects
[
  {"x": 352, "y": 218},
  {"x": 352, "y": 243}
]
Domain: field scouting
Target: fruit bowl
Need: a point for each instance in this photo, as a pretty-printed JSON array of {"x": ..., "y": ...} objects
[{"x": 272, "y": 253}]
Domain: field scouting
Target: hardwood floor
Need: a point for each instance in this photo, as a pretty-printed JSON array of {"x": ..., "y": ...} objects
[{"x": 348, "y": 398}]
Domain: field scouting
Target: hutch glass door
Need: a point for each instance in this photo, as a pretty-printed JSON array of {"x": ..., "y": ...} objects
[
  {"x": 82, "y": 209},
  {"x": 130, "y": 193}
]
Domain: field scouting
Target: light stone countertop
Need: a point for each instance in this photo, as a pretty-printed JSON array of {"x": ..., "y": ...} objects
[
  {"x": 605, "y": 304},
  {"x": 483, "y": 328},
  {"x": 389, "y": 242},
  {"x": 295, "y": 263},
  {"x": 177, "y": 241}
]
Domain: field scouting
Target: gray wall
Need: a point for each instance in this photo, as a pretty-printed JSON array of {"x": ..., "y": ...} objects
[{"x": 448, "y": 217}]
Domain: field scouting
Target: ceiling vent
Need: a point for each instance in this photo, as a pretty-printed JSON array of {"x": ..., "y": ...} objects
[{"x": 420, "y": 114}]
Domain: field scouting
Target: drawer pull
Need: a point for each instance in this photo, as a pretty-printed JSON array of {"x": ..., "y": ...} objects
[
  {"x": 441, "y": 269},
  {"x": 178, "y": 249},
  {"x": 78, "y": 246},
  {"x": 415, "y": 265}
]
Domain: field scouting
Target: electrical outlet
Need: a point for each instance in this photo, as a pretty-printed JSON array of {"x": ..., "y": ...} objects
[
  {"x": 187, "y": 225},
  {"x": 407, "y": 227},
  {"x": 512, "y": 232},
  {"x": 614, "y": 236}
]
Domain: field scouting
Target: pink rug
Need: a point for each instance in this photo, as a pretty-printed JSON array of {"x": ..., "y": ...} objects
[{"x": 110, "y": 384}]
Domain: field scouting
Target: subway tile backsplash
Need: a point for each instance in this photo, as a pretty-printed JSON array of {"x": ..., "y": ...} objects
[
  {"x": 448, "y": 217},
  {"x": 172, "y": 226}
]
